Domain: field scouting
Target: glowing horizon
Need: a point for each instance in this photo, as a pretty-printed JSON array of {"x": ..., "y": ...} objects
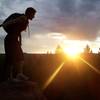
[{"x": 48, "y": 43}]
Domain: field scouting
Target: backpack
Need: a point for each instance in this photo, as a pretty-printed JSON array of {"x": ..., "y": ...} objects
[{"x": 15, "y": 23}]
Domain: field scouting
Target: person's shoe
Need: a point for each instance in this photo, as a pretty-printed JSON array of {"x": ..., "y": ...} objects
[{"x": 21, "y": 76}]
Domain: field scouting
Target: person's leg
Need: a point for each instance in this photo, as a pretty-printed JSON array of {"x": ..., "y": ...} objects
[
  {"x": 6, "y": 71},
  {"x": 18, "y": 73},
  {"x": 8, "y": 64},
  {"x": 21, "y": 67},
  {"x": 17, "y": 69},
  {"x": 11, "y": 72}
]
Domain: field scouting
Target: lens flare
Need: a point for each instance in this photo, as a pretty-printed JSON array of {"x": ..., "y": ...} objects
[
  {"x": 53, "y": 76},
  {"x": 91, "y": 66}
]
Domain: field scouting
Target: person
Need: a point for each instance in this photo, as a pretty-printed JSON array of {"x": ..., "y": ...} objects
[{"x": 14, "y": 25}]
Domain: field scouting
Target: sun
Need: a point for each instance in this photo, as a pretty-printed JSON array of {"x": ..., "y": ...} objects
[{"x": 72, "y": 52}]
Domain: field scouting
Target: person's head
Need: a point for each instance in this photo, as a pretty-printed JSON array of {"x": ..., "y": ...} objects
[{"x": 30, "y": 13}]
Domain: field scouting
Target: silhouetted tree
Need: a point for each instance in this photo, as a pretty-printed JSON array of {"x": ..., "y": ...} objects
[
  {"x": 87, "y": 49},
  {"x": 99, "y": 51},
  {"x": 59, "y": 50}
]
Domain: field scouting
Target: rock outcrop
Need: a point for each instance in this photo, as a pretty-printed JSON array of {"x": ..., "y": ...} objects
[{"x": 20, "y": 90}]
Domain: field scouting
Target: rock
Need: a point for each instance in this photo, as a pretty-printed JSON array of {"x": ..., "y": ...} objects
[{"x": 20, "y": 90}]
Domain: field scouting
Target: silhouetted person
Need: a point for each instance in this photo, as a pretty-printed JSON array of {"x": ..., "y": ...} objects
[{"x": 14, "y": 25}]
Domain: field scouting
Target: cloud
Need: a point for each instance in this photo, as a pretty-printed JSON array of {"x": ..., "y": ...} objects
[
  {"x": 8, "y": 7},
  {"x": 81, "y": 18},
  {"x": 77, "y": 19}
]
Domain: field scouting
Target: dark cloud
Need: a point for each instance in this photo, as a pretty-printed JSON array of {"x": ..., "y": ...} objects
[
  {"x": 81, "y": 18},
  {"x": 88, "y": 6},
  {"x": 67, "y": 7}
]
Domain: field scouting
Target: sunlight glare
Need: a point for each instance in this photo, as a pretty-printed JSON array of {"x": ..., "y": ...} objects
[{"x": 72, "y": 52}]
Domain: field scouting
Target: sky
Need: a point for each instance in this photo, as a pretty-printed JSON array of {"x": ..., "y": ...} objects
[{"x": 73, "y": 23}]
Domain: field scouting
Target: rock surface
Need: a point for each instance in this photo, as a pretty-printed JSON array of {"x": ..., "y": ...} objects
[{"x": 20, "y": 90}]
